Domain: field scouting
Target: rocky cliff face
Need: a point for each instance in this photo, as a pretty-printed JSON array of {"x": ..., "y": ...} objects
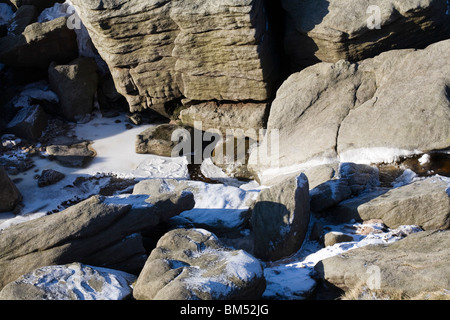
[
  {"x": 330, "y": 30},
  {"x": 159, "y": 51}
]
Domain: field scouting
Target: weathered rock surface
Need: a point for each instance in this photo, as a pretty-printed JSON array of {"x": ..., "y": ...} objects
[
  {"x": 370, "y": 111},
  {"x": 100, "y": 231},
  {"x": 30, "y": 122},
  {"x": 76, "y": 85},
  {"x": 194, "y": 265},
  {"x": 332, "y": 30},
  {"x": 9, "y": 194},
  {"x": 70, "y": 282},
  {"x": 161, "y": 51},
  {"x": 412, "y": 266},
  {"x": 239, "y": 119},
  {"x": 425, "y": 203},
  {"x": 39, "y": 45},
  {"x": 280, "y": 218},
  {"x": 76, "y": 155},
  {"x": 49, "y": 177}
]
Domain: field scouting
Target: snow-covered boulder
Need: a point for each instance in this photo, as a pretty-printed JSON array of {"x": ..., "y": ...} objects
[
  {"x": 193, "y": 264},
  {"x": 221, "y": 209},
  {"x": 70, "y": 282},
  {"x": 100, "y": 231}
]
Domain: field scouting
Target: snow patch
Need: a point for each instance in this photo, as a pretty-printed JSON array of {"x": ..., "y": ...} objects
[
  {"x": 376, "y": 155},
  {"x": 293, "y": 278},
  {"x": 80, "y": 282}
]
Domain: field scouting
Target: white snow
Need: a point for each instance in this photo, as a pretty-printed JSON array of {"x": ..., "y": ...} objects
[
  {"x": 115, "y": 157},
  {"x": 80, "y": 282},
  {"x": 376, "y": 155},
  {"x": 425, "y": 159},
  {"x": 408, "y": 176},
  {"x": 219, "y": 205},
  {"x": 57, "y": 11},
  {"x": 293, "y": 278},
  {"x": 237, "y": 266}
]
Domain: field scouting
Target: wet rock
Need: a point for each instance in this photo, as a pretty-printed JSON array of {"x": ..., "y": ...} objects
[
  {"x": 70, "y": 282},
  {"x": 49, "y": 177},
  {"x": 280, "y": 218},
  {"x": 77, "y": 155},
  {"x": 194, "y": 265},
  {"x": 76, "y": 85},
  {"x": 9, "y": 194}
]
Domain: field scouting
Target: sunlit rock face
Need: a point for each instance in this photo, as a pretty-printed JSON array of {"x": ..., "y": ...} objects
[{"x": 160, "y": 51}]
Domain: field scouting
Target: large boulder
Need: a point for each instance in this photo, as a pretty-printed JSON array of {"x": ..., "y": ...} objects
[
  {"x": 73, "y": 281},
  {"x": 39, "y": 45},
  {"x": 280, "y": 218},
  {"x": 159, "y": 51},
  {"x": 411, "y": 267},
  {"x": 319, "y": 30},
  {"x": 10, "y": 196},
  {"x": 367, "y": 112},
  {"x": 100, "y": 231},
  {"x": 194, "y": 265},
  {"x": 425, "y": 203},
  {"x": 76, "y": 85}
]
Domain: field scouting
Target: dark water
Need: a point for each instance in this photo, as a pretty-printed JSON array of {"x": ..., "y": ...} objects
[{"x": 439, "y": 164}]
